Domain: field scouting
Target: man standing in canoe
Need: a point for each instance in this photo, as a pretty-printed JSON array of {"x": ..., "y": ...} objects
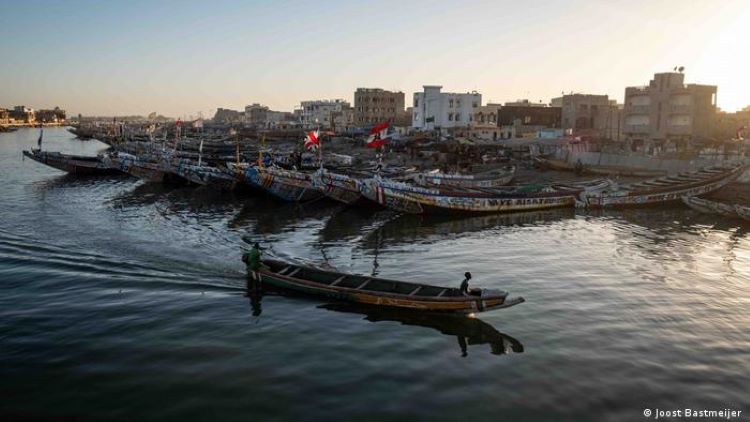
[{"x": 254, "y": 262}]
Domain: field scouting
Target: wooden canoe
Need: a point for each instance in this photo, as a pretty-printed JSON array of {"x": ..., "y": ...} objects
[
  {"x": 710, "y": 207},
  {"x": 73, "y": 164},
  {"x": 381, "y": 292},
  {"x": 287, "y": 185},
  {"x": 412, "y": 199},
  {"x": 663, "y": 190}
]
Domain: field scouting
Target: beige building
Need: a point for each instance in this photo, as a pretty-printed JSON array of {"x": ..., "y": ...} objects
[
  {"x": 375, "y": 105},
  {"x": 668, "y": 109},
  {"x": 484, "y": 123},
  {"x": 590, "y": 115}
]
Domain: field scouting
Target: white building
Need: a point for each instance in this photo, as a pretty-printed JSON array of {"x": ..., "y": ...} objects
[
  {"x": 442, "y": 110},
  {"x": 326, "y": 114}
]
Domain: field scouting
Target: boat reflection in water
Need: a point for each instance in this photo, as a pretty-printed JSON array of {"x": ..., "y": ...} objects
[
  {"x": 468, "y": 331},
  {"x": 408, "y": 228}
]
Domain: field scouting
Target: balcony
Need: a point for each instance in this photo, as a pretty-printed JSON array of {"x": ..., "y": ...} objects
[{"x": 638, "y": 109}]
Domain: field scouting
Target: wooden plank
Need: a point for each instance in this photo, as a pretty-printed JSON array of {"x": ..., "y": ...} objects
[
  {"x": 293, "y": 272},
  {"x": 338, "y": 280},
  {"x": 363, "y": 283},
  {"x": 442, "y": 292},
  {"x": 284, "y": 270},
  {"x": 413, "y": 292}
]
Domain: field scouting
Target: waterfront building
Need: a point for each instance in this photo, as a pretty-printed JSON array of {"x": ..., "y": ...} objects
[
  {"x": 327, "y": 114},
  {"x": 443, "y": 110},
  {"x": 262, "y": 117},
  {"x": 375, "y": 105},
  {"x": 484, "y": 122},
  {"x": 731, "y": 125},
  {"x": 590, "y": 115},
  {"x": 4, "y": 116},
  {"x": 23, "y": 114},
  {"x": 668, "y": 109},
  {"x": 56, "y": 115},
  {"x": 227, "y": 116}
]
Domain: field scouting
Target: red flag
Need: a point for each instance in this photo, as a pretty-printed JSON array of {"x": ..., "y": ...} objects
[
  {"x": 312, "y": 140},
  {"x": 178, "y": 122},
  {"x": 378, "y": 136}
]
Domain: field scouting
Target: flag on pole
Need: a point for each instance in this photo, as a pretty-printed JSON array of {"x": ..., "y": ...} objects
[
  {"x": 312, "y": 140},
  {"x": 378, "y": 136}
]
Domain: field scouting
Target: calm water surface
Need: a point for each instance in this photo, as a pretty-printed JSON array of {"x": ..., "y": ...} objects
[{"x": 125, "y": 300}]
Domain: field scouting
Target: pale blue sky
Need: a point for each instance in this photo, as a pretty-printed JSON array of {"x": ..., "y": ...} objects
[{"x": 181, "y": 57}]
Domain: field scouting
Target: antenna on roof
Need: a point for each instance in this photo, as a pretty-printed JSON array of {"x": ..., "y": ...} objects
[{"x": 681, "y": 69}]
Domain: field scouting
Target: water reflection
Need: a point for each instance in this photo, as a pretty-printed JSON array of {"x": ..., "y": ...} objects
[
  {"x": 468, "y": 331},
  {"x": 407, "y": 229},
  {"x": 266, "y": 216}
]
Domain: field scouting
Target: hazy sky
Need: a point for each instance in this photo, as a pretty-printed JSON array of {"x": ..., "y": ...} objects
[{"x": 182, "y": 57}]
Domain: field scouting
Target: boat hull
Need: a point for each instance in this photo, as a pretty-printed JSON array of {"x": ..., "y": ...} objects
[
  {"x": 72, "y": 164},
  {"x": 290, "y": 186},
  {"x": 743, "y": 211},
  {"x": 463, "y": 304},
  {"x": 340, "y": 188},
  {"x": 412, "y": 200},
  {"x": 664, "y": 194},
  {"x": 710, "y": 207}
]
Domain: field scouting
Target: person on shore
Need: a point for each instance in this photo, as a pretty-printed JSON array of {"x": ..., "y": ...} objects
[{"x": 465, "y": 284}]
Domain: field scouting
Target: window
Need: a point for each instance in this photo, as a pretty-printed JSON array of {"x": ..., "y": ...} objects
[
  {"x": 458, "y": 117},
  {"x": 475, "y": 104},
  {"x": 458, "y": 103},
  {"x": 526, "y": 119},
  {"x": 450, "y": 103},
  {"x": 416, "y": 102},
  {"x": 450, "y": 117}
]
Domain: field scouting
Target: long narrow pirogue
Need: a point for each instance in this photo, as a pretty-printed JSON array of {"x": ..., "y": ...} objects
[
  {"x": 74, "y": 164},
  {"x": 412, "y": 199},
  {"x": 489, "y": 179},
  {"x": 706, "y": 206},
  {"x": 664, "y": 189},
  {"x": 288, "y": 185},
  {"x": 382, "y": 292}
]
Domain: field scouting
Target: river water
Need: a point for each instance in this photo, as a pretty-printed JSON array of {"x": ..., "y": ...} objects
[{"x": 125, "y": 300}]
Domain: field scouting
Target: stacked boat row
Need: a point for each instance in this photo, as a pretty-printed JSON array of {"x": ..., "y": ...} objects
[{"x": 407, "y": 192}]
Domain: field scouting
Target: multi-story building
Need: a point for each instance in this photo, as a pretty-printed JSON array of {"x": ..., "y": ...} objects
[
  {"x": 667, "y": 109},
  {"x": 732, "y": 125},
  {"x": 484, "y": 122},
  {"x": 529, "y": 115},
  {"x": 375, "y": 105},
  {"x": 56, "y": 115},
  {"x": 4, "y": 116},
  {"x": 590, "y": 115},
  {"x": 227, "y": 116},
  {"x": 327, "y": 114},
  {"x": 256, "y": 115},
  {"x": 23, "y": 114},
  {"x": 443, "y": 110}
]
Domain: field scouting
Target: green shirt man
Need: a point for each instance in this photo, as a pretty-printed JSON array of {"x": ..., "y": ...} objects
[{"x": 253, "y": 260}]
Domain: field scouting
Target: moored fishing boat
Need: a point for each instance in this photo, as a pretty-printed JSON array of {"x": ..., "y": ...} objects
[
  {"x": 288, "y": 185},
  {"x": 73, "y": 164},
  {"x": 411, "y": 199},
  {"x": 662, "y": 190},
  {"x": 743, "y": 211},
  {"x": 706, "y": 206},
  {"x": 204, "y": 175},
  {"x": 382, "y": 292},
  {"x": 489, "y": 179},
  {"x": 339, "y": 187}
]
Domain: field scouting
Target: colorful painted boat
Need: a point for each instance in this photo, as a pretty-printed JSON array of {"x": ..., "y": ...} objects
[
  {"x": 710, "y": 207},
  {"x": 73, "y": 164},
  {"x": 339, "y": 187},
  {"x": 288, "y": 185},
  {"x": 382, "y": 292},
  {"x": 411, "y": 199},
  {"x": 743, "y": 211},
  {"x": 489, "y": 179},
  {"x": 562, "y": 165},
  {"x": 663, "y": 190},
  {"x": 204, "y": 175}
]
